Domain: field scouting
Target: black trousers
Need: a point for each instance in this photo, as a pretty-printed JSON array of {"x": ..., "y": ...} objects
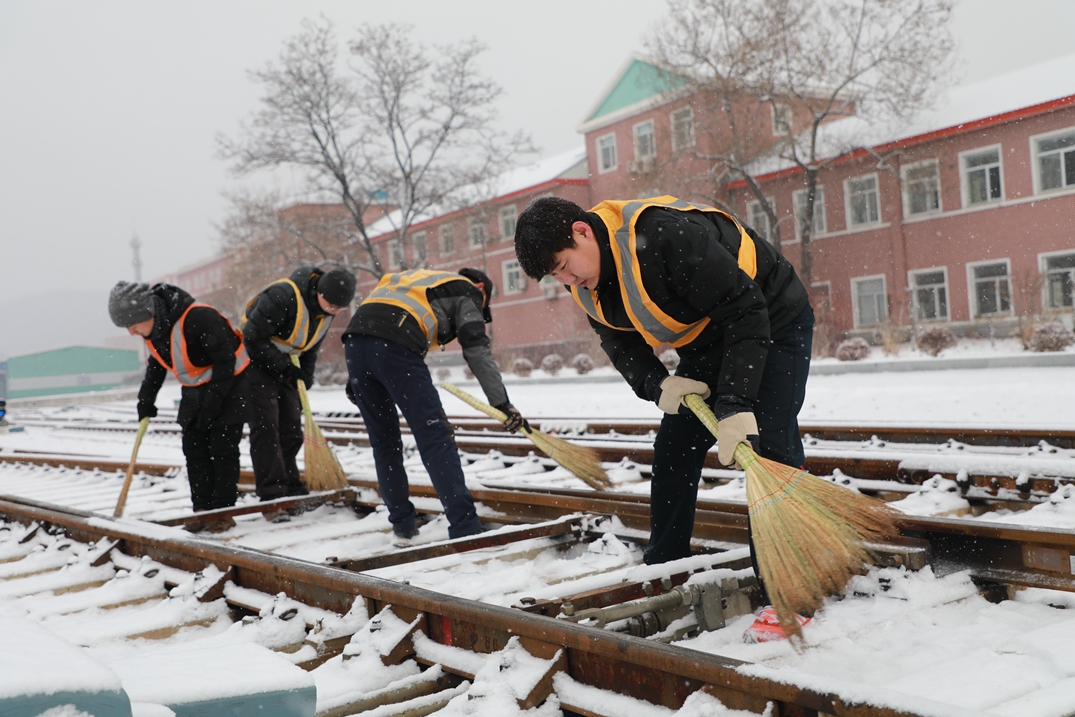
[
  {"x": 275, "y": 435},
  {"x": 213, "y": 464},
  {"x": 384, "y": 375},
  {"x": 682, "y": 441}
]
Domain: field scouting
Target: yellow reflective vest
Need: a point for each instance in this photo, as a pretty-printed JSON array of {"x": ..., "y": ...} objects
[
  {"x": 296, "y": 342},
  {"x": 655, "y": 326},
  {"x": 407, "y": 290}
]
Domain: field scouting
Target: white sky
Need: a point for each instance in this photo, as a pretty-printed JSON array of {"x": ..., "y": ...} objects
[{"x": 109, "y": 112}]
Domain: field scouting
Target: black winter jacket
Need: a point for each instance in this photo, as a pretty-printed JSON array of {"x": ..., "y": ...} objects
[
  {"x": 457, "y": 306},
  {"x": 273, "y": 313},
  {"x": 689, "y": 267},
  {"x": 209, "y": 341}
]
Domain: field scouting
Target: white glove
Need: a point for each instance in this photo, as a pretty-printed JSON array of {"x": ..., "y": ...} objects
[
  {"x": 674, "y": 388},
  {"x": 733, "y": 430}
]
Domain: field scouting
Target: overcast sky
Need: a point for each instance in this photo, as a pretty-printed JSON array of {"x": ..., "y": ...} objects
[{"x": 109, "y": 112}]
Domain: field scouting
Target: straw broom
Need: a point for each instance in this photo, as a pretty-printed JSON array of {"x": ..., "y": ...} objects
[
  {"x": 323, "y": 469},
  {"x": 579, "y": 460},
  {"x": 143, "y": 426},
  {"x": 810, "y": 535}
]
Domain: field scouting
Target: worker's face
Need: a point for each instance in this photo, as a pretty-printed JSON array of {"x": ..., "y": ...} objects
[
  {"x": 142, "y": 328},
  {"x": 580, "y": 265},
  {"x": 327, "y": 307}
]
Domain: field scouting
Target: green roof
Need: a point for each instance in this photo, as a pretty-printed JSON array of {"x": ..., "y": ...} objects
[
  {"x": 639, "y": 82},
  {"x": 73, "y": 360}
]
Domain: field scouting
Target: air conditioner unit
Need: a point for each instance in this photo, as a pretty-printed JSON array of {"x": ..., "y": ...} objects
[{"x": 642, "y": 166}]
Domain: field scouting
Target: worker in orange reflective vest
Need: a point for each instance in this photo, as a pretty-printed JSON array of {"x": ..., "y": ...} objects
[
  {"x": 206, "y": 355},
  {"x": 652, "y": 273}
]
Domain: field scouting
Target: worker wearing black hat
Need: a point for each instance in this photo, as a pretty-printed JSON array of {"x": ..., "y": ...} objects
[
  {"x": 288, "y": 318},
  {"x": 405, "y": 316},
  {"x": 206, "y": 355}
]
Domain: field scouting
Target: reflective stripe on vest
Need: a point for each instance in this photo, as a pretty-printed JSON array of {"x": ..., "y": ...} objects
[
  {"x": 646, "y": 317},
  {"x": 186, "y": 372},
  {"x": 407, "y": 290},
  {"x": 296, "y": 342}
]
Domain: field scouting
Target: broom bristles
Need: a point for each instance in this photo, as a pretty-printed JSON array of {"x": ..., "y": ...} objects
[
  {"x": 323, "y": 469},
  {"x": 581, "y": 461},
  {"x": 810, "y": 535}
]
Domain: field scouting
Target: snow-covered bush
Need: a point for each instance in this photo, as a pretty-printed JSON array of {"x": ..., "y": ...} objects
[
  {"x": 853, "y": 349},
  {"x": 552, "y": 364},
  {"x": 936, "y": 339},
  {"x": 670, "y": 359},
  {"x": 582, "y": 363},
  {"x": 443, "y": 374},
  {"x": 522, "y": 366},
  {"x": 1051, "y": 336}
]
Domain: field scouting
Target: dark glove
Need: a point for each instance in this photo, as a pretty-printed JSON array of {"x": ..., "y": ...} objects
[
  {"x": 146, "y": 410},
  {"x": 308, "y": 378},
  {"x": 350, "y": 391},
  {"x": 293, "y": 375},
  {"x": 515, "y": 420}
]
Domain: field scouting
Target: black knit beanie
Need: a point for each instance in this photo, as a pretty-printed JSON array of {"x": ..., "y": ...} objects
[
  {"x": 480, "y": 277},
  {"x": 130, "y": 304},
  {"x": 337, "y": 287}
]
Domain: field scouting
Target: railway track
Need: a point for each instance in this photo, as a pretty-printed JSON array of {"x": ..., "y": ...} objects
[{"x": 408, "y": 615}]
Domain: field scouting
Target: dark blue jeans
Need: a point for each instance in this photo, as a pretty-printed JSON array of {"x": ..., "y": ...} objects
[
  {"x": 384, "y": 375},
  {"x": 682, "y": 441}
]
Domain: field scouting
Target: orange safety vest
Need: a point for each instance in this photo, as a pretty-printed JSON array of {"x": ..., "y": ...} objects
[
  {"x": 646, "y": 317},
  {"x": 296, "y": 342},
  {"x": 186, "y": 372},
  {"x": 407, "y": 290}
]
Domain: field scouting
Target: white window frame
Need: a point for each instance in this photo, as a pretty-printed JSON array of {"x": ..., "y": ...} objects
[
  {"x": 516, "y": 286},
  {"x": 445, "y": 233},
  {"x": 904, "y": 183},
  {"x": 550, "y": 287},
  {"x": 421, "y": 248},
  {"x": 912, "y": 282},
  {"x": 636, "y": 133},
  {"x": 756, "y": 204},
  {"x": 689, "y": 139},
  {"x": 972, "y": 288},
  {"x": 1036, "y": 161},
  {"x": 476, "y": 232},
  {"x": 780, "y": 114},
  {"x": 965, "y": 185},
  {"x": 507, "y": 214},
  {"x": 395, "y": 253},
  {"x": 819, "y": 204},
  {"x": 855, "y": 281},
  {"x": 847, "y": 202},
  {"x": 1044, "y": 269},
  {"x": 601, "y": 167}
]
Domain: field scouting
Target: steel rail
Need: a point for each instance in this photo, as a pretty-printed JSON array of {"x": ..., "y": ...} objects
[{"x": 641, "y": 668}]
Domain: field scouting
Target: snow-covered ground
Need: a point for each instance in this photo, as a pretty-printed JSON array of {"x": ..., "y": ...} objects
[{"x": 913, "y": 641}]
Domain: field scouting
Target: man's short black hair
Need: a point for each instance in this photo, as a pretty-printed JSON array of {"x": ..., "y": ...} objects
[{"x": 543, "y": 229}]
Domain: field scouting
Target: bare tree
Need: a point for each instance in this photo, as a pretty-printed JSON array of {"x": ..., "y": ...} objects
[
  {"x": 397, "y": 135},
  {"x": 812, "y": 61}
]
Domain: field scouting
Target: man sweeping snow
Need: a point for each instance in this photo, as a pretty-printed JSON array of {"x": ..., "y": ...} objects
[{"x": 663, "y": 271}]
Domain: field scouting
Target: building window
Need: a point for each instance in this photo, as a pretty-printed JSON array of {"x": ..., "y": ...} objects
[
  {"x": 447, "y": 239},
  {"x": 644, "y": 146},
  {"x": 862, "y": 204},
  {"x": 759, "y": 220},
  {"x": 476, "y": 232},
  {"x": 550, "y": 288},
  {"x": 921, "y": 188},
  {"x": 930, "y": 295},
  {"x": 992, "y": 289},
  {"x": 799, "y": 200},
  {"x": 507, "y": 222},
  {"x": 421, "y": 250},
  {"x": 1060, "y": 280},
  {"x": 514, "y": 281},
  {"x": 682, "y": 128},
  {"x": 981, "y": 176},
  {"x": 1056, "y": 161},
  {"x": 781, "y": 120},
  {"x": 606, "y": 153},
  {"x": 870, "y": 301},
  {"x": 395, "y": 253}
]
